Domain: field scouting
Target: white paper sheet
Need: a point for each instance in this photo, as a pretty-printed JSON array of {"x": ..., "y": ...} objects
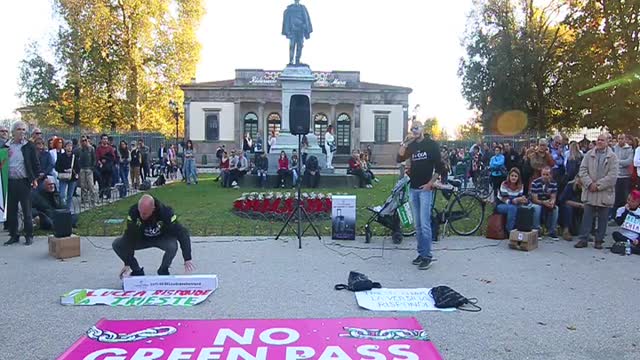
[{"x": 397, "y": 300}]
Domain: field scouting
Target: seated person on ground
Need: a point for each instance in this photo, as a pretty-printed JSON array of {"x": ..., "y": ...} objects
[
  {"x": 283, "y": 169},
  {"x": 45, "y": 201},
  {"x": 543, "y": 196},
  {"x": 366, "y": 166},
  {"x": 355, "y": 168},
  {"x": 510, "y": 197},
  {"x": 571, "y": 207},
  {"x": 152, "y": 224},
  {"x": 262, "y": 166},
  {"x": 628, "y": 217},
  {"x": 312, "y": 172}
]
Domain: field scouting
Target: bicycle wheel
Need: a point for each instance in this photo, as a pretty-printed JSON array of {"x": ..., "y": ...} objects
[{"x": 465, "y": 214}]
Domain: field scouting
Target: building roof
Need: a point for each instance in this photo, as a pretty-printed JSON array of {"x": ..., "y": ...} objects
[{"x": 230, "y": 84}]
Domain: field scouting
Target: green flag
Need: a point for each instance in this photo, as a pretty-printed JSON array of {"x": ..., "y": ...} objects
[{"x": 4, "y": 182}]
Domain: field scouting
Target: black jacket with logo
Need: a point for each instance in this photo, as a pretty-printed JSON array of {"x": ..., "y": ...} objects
[{"x": 162, "y": 222}]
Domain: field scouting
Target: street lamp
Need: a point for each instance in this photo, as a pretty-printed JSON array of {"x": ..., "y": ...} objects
[{"x": 176, "y": 114}]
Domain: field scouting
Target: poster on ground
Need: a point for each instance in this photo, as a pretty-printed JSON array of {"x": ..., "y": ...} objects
[
  {"x": 397, "y": 300},
  {"x": 87, "y": 297},
  {"x": 321, "y": 339},
  {"x": 343, "y": 217},
  {"x": 4, "y": 183}
]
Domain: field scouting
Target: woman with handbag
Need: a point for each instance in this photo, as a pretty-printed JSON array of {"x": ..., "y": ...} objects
[
  {"x": 68, "y": 173},
  {"x": 496, "y": 165}
]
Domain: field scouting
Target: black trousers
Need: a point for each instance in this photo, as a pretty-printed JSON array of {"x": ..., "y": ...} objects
[
  {"x": 125, "y": 249},
  {"x": 19, "y": 192},
  {"x": 145, "y": 170},
  {"x": 363, "y": 178},
  {"x": 496, "y": 181},
  {"x": 623, "y": 188},
  {"x": 618, "y": 237},
  {"x": 283, "y": 174},
  {"x": 311, "y": 180}
]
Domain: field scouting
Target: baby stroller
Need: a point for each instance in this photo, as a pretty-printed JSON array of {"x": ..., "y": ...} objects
[{"x": 389, "y": 216}]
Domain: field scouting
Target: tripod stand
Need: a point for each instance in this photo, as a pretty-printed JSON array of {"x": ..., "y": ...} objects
[{"x": 299, "y": 210}]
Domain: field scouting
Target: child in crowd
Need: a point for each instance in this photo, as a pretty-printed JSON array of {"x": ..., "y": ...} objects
[{"x": 628, "y": 217}]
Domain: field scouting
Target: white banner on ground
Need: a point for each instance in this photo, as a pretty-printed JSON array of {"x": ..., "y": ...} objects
[
  {"x": 397, "y": 300},
  {"x": 135, "y": 298}
]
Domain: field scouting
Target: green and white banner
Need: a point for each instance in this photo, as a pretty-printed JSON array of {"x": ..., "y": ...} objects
[
  {"x": 4, "y": 182},
  {"x": 84, "y": 297}
]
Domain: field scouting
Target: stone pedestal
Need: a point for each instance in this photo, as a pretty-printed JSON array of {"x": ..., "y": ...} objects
[{"x": 295, "y": 80}]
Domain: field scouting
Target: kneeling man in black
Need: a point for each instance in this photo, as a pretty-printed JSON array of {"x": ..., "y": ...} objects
[{"x": 152, "y": 224}]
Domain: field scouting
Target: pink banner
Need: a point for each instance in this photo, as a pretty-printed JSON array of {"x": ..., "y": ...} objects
[{"x": 321, "y": 339}]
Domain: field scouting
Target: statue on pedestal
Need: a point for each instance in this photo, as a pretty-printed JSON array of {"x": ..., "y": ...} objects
[{"x": 296, "y": 26}]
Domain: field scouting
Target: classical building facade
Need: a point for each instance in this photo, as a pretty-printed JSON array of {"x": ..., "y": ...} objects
[{"x": 221, "y": 112}]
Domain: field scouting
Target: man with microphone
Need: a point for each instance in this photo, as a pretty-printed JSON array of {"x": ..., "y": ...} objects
[{"x": 425, "y": 158}]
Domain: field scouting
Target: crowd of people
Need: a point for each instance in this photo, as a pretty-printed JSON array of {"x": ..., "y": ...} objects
[
  {"x": 569, "y": 184},
  {"x": 253, "y": 159},
  {"x": 44, "y": 174}
]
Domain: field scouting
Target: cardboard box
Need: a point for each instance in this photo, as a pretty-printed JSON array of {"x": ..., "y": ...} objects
[
  {"x": 171, "y": 282},
  {"x": 64, "y": 248},
  {"x": 525, "y": 241}
]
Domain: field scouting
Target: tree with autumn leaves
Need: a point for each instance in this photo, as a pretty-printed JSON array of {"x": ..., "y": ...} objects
[
  {"x": 117, "y": 64},
  {"x": 539, "y": 60}
]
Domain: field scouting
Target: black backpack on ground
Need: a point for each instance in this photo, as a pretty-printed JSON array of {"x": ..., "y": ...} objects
[{"x": 146, "y": 185}]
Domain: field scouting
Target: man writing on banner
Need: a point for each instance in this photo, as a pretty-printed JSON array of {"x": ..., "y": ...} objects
[
  {"x": 425, "y": 161},
  {"x": 152, "y": 224}
]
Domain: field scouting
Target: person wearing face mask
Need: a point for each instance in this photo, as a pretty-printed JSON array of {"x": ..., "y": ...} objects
[
  {"x": 151, "y": 224},
  {"x": 425, "y": 163}
]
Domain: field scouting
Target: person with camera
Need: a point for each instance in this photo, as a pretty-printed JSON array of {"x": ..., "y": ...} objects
[{"x": 425, "y": 163}]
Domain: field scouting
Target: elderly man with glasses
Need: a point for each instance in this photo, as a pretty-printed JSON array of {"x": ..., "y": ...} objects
[
  {"x": 598, "y": 173},
  {"x": 23, "y": 172}
]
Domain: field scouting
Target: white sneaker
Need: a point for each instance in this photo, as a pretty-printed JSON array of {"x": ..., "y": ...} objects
[
  {"x": 236, "y": 187},
  {"x": 234, "y": 184}
]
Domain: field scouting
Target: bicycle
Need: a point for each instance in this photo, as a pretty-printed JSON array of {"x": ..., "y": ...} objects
[
  {"x": 482, "y": 184},
  {"x": 463, "y": 212}
]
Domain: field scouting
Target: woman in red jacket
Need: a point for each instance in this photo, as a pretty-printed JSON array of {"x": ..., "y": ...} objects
[{"x": 283, "y": 169}]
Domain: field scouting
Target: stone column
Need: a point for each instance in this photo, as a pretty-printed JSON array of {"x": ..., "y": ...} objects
[
  {"x": 332, "y": 118},
  {"x": 355, "y": 127},
  {"x": 262, "y": 122},
  {"x": 405, "y": 125},
  {"x": 187, "y": 120},
  {"x": 237, "y": 123}
]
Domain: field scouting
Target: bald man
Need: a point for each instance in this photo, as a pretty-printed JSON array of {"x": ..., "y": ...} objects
[{"x": 152, "y": 224}]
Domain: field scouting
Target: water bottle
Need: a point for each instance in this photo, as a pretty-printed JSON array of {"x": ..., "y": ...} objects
[{"x": 627, "y": 248}]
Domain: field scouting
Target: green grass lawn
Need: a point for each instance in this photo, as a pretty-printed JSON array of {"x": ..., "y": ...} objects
[{"x": 206, "y": 209}]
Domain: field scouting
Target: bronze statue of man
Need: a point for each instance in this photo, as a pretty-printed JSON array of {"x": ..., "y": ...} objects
[{"x": 296, "y": 26}]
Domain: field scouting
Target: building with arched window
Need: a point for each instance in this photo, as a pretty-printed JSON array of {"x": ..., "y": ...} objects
[{"x": 362, "y": 114}]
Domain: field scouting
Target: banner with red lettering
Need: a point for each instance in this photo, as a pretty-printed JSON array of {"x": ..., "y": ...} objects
[
  {"x": 320, "y": 339},
  {"x": 135, "y": 298}
]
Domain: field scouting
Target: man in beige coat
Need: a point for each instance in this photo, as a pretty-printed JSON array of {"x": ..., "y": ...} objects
[{"x": 599, "y": 173}]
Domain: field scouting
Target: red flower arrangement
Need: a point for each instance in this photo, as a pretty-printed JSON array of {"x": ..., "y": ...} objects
[{"x": 281, "y": 203}]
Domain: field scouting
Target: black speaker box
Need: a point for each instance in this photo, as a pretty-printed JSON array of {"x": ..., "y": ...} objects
[
  {"x": 62, "y": 223},
  {"x": 524, "y": 218},
  {"x": 299, "y": 115}
]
